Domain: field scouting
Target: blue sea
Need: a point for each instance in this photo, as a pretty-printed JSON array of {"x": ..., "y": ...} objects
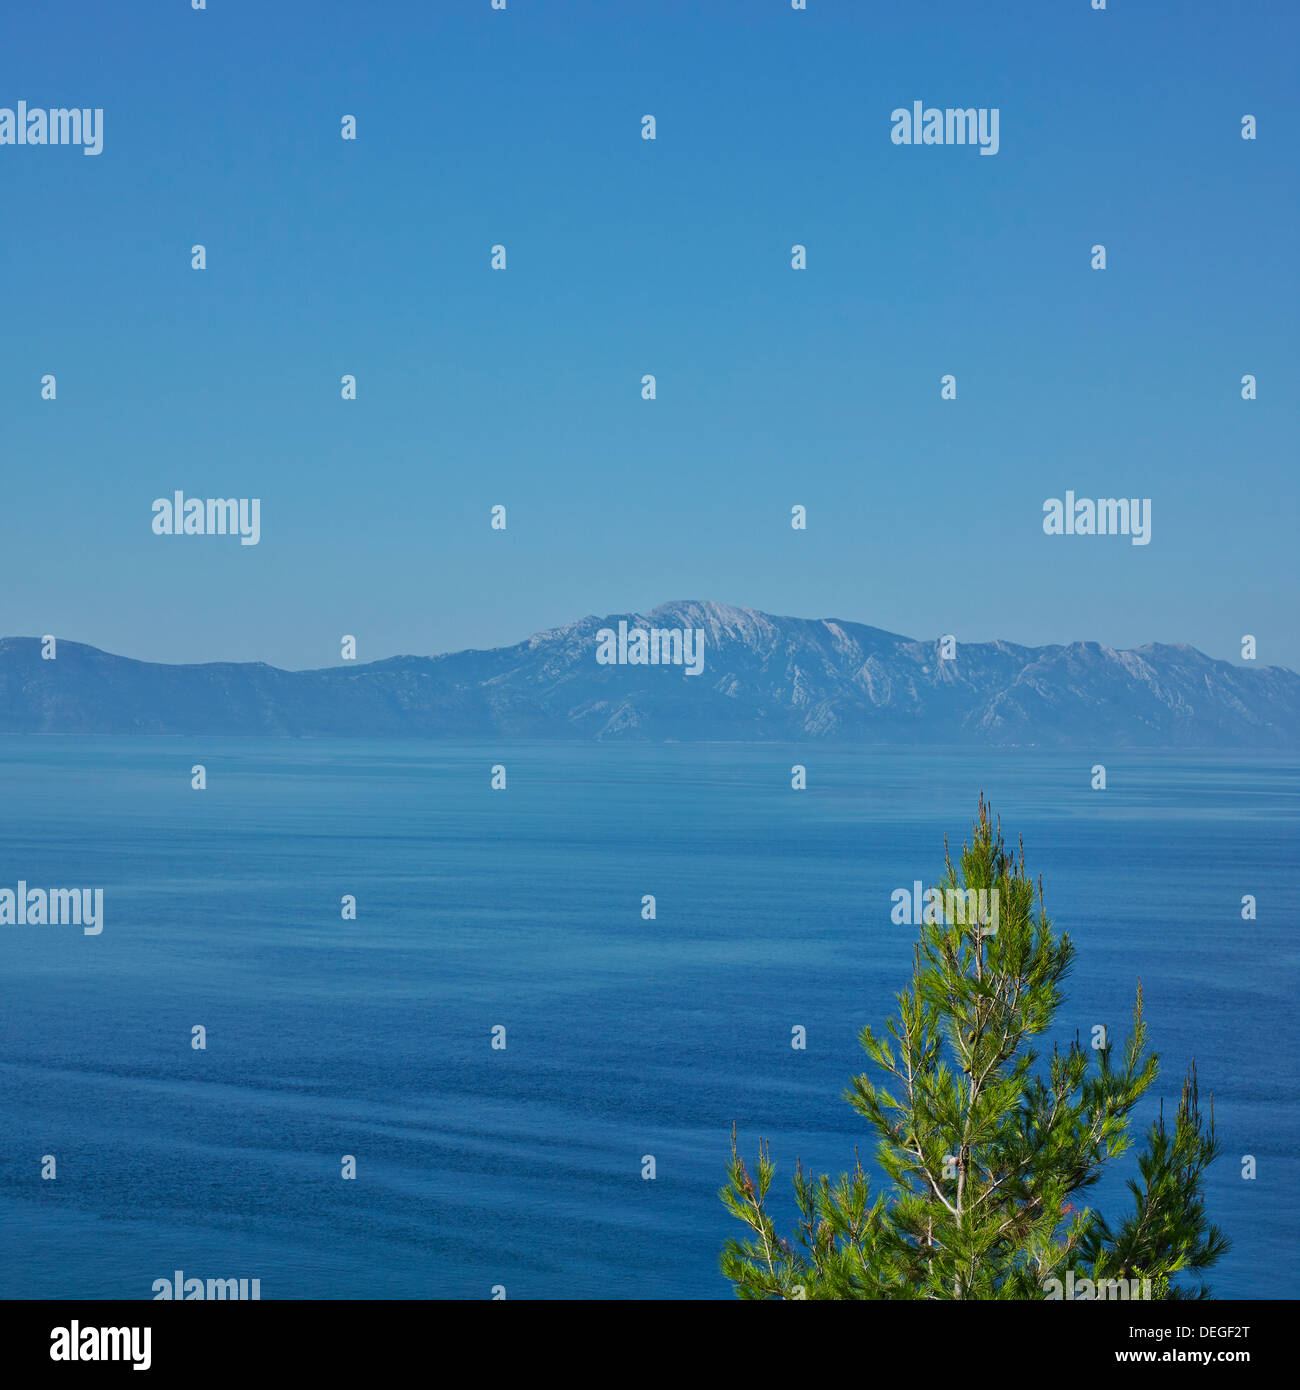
[{"x": 522, "y": 1168}]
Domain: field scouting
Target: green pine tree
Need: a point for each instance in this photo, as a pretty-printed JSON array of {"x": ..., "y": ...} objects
[{"x": 988, "y": 1153}]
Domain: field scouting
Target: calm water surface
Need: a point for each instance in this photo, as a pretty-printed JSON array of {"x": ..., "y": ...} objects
[{"x": 625, "y": 1037}]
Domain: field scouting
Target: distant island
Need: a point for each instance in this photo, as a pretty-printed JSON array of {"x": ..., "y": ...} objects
[{"x": 760, "y": 678}]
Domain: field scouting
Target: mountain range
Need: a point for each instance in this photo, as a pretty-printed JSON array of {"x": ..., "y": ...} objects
[{"x": 764, "y": 678}]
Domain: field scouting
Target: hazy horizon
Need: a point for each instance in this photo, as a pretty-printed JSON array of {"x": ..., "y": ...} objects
[{"x": 369, "y": 658}]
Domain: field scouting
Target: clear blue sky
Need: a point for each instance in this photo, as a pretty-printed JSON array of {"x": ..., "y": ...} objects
[{"x": 627, "y": 257}]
